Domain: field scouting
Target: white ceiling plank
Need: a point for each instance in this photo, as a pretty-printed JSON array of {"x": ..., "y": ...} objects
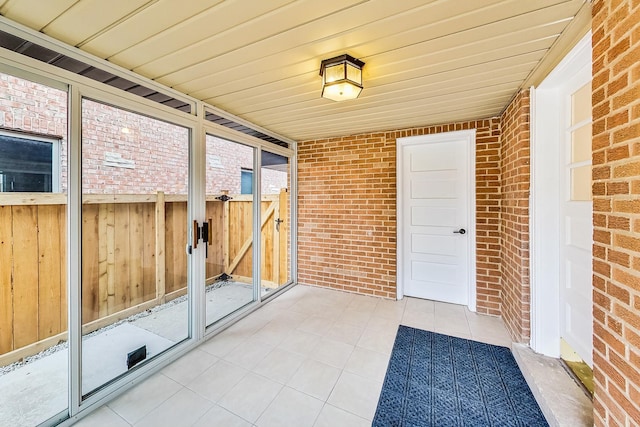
[
  {"x": 429, "y": 66},
  {"x": 270, "y": 107},
  {"x": 264, "y": 26},
  {"x": 90, "y": 17},
  {"x": 330, "y": 36},
  {"x": 35, "y": 14},
  {"x": 314, "y": 109},
  {"x": 476, "y": 96},
  {"x": 155, "y": 19},
  {"x": 391, "y": 62},
  {"x": 427, "y": 23},
  {"x": 229, "y": 14}
]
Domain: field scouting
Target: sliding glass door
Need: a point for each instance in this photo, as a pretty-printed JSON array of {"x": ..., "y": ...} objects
[
  {"x": 34, "y": 354},
  {"x": 135, "y": 172},
  {"x": 275, "y": 176},
  {"x": 230, "y": 214}
]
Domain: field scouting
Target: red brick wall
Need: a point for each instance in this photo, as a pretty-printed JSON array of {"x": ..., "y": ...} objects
[
  {"x": 514, "y": 154},
  {"x": 158, "y": 149},
  {"x": 347, "y": 211},
  {"x": 616, "y": 205},
  {"x": 46, "y": 115}
]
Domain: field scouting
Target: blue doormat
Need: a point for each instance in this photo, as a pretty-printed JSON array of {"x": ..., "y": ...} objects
[{"x": 438, "y": 380}]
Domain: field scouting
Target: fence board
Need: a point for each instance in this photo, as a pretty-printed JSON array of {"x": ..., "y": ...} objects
[
  {"x": 136, "y": 254},
  {"x": 94, "y": 268},
  {"x": 149, "y": 252},
  {"x": 62, "y": 218},
  {"x": 49, "y": 252},
  {"x": 125, "y": 244},
  {"x": 6, "y": 296},
  {"x": 176, "y": 240},
  {"x": 110, "y": 250},
  {"x": 122, "y": 259},
  {"x": 215, "y": 260},
  {"x": 25, "y": 275}
]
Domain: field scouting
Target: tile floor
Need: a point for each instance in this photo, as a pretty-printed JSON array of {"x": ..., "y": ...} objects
[{"x": 312, "y": 357}]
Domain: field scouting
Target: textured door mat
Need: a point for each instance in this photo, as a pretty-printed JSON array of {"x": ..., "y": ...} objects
[{"x": 439, "y": 380}]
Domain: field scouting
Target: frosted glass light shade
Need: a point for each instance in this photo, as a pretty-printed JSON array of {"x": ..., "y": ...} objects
[{"x": 341, "y": 78}]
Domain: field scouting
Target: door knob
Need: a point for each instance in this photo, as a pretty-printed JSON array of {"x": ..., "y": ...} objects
[{"x": 461, "y": 231}]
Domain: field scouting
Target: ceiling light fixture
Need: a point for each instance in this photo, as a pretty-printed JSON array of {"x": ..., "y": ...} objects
[{"x": 341, "y": 78}]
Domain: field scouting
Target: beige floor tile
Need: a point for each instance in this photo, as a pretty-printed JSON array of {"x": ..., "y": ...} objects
[
  {"x": 330, "y": 416},
  {"x": 356, "y": 394},
  {"x": 345, "y": 332},
  {"x": 221, "y": 344},
  {"x": 189, "y": 366},
  {"x": 137, "y": 402},
  {"x": 375, "y": 340},
  {"x": 355, "y": 317},
  {"x": 334, "y": 353},
  {"x": 102, "y": 417},
  {"x": 249, "y": 353},
  {"x": 182, "y": 409},
  {"x": 280, "y": 365},
  {"x": 368, "y": 364},
  {"x": 250, "y": 397},
  {"x": 316, "y": 325},
  {"x": 274, "y": 332},
  {"x": 291, "y": 408},
  {"x": 217, "y": 380},
  {"x": 300, "y": 342},
  {"x": 417, "y": 305},
  {"x": 220, "y": 417},
  {"x": 315, "y": 378}
]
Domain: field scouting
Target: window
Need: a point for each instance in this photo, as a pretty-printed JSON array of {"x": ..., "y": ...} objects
[
  {"x": 28, "y": 163},
  {"x": 246, "y": 181}
]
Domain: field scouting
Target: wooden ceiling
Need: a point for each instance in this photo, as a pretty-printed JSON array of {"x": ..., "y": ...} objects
[{"x": 427, "y": 61}]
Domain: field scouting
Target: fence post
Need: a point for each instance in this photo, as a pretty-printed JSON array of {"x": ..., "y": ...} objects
[{"x": 160, "y": 248}]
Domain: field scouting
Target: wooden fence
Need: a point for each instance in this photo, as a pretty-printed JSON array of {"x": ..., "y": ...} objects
[{"x": 133, "y": 258}]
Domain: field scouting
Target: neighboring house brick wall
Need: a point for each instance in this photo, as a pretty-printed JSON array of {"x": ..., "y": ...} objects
[
  {"x": 515, "y": 155},
  {"x": 35, "y": 108},
  {"x": 347, "y": 211},
  {"x": 616, "y": 205},
  {"x": 158, "y": 150}
]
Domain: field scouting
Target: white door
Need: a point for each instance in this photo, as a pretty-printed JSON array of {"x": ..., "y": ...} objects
[
  {"x": 576, "y": 228},
  {"x": 435, "y": 224},
  {"x": 561, "y": 229}
]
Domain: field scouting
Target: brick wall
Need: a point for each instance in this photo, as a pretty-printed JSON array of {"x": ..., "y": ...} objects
[
  {"x": 35, "y": 108},
  {"x": 514, "y": 154},
  {"x": 153, "y": 153},
  {"x": 347, "y": 211},
  {"x": 616, "y": 205}
]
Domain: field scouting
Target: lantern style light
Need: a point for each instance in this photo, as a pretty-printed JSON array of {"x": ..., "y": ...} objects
[{"x": 341, "y": 78}]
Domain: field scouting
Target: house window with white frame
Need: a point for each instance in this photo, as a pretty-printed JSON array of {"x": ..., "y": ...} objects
[{"x": 29, "y": 163}]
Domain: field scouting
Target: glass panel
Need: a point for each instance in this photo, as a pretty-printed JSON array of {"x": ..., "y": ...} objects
[
  {"x": 354, "y": 74},
  {"x": 581, "y": 104},
  {"x": 33, "y": 277},
  {"x": 333, "y": 73},
  {"x": 275, "y": 267},
  {"x": 581, "y": 144},
  {"x": 230, "y": 210},
  {"x": 134, "y": 232},
  {"x": 581, "y": 183}
]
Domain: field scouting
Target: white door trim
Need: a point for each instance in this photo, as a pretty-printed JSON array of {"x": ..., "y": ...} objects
[
  {"x": 470, "y": 136},
  {"x": 544, "y": 213}
]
